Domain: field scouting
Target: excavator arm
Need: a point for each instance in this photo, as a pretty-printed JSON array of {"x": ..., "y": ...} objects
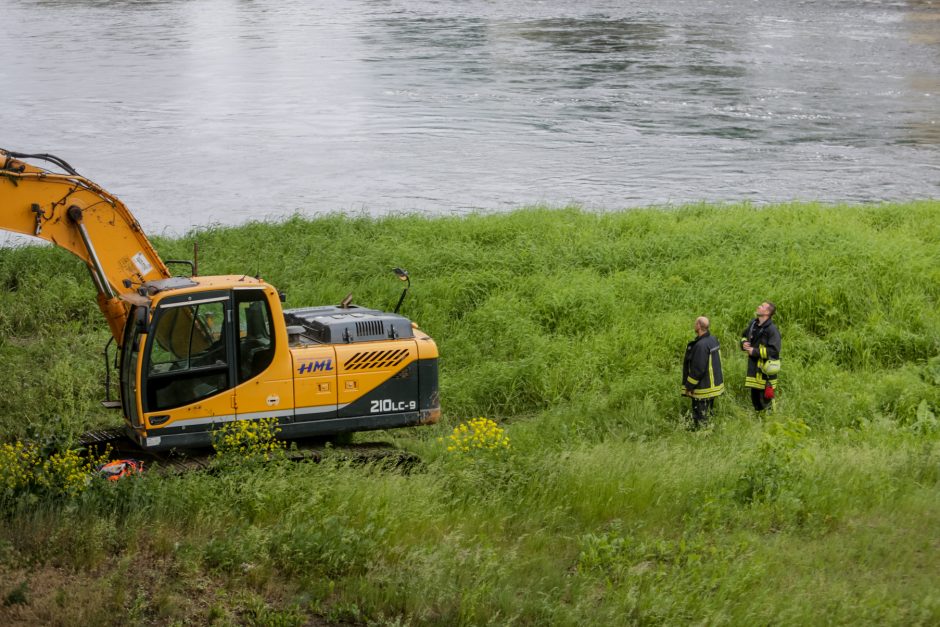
[{"x": 70, "y": 211}]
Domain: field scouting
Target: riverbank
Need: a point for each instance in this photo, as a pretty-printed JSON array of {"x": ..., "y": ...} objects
[{"x": 568, "y": 329}]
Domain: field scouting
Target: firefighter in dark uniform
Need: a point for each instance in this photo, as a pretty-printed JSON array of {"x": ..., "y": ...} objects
[
  {"x": 702, "y": 380},
  {"x": 761, "y": 341}
]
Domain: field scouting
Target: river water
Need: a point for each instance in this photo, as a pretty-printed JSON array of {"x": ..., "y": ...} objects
[{"x": 201, "y": 112}]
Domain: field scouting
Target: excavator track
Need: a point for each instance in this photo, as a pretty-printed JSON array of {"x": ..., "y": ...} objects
[
  {"x": 102, "y": 438},
  {"x": 119, "y": 446}
]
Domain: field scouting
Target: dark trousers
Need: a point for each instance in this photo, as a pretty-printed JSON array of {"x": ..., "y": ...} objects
[
  {"x": 701, "y": 410},
  {"x": 759, "y": 402}
]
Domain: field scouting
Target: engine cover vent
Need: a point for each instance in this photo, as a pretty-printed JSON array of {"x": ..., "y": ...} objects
[
  {"x": 370, "y": 327},
  {"x": 376, "y": 360}
]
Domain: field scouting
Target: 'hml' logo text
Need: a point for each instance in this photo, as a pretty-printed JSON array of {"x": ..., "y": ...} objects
[{"x": 315, "y": 366}]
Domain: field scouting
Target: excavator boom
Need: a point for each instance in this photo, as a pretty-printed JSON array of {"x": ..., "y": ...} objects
[{"x": 70, "y": 211}]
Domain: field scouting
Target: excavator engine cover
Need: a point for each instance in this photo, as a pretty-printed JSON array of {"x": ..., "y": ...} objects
[{"x": 348, "y": 325}]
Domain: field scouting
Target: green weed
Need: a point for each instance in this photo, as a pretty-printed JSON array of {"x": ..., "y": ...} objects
[{"x": 778, "y": 462}]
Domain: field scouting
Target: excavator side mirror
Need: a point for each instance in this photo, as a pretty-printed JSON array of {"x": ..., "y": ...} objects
[{"x": 402, "y": 275}]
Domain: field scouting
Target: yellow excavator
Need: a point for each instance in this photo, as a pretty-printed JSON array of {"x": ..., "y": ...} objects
[{"x": 197, "y": 352}]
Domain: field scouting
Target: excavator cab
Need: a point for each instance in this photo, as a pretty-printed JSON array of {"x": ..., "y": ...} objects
[{"x": 187, "y": 352}]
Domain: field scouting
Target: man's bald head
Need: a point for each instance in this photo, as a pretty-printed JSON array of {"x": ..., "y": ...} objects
[{"x": 701, "y": 325}]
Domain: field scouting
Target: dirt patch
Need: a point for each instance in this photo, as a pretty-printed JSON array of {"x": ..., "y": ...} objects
[{"x": 145, "y": 592}]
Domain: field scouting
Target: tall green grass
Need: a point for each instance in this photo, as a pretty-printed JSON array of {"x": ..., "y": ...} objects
[{"x": 568, "y": 327}]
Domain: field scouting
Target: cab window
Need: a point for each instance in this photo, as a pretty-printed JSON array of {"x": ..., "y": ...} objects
[
  {"x": 255, "y": 337},
  {"x": 189, "y": 355}
]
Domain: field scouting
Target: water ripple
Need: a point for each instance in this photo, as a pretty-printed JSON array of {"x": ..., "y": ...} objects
[{"x": 218, "y": 111}]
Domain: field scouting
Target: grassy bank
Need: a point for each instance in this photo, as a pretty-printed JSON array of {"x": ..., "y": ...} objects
[{"x": 568, "y": 329}]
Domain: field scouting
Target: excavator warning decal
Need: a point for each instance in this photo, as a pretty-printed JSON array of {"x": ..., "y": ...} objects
[{"x": 142, "y": 264}]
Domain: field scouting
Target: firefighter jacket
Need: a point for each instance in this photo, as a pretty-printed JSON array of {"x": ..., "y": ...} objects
[
  {"x": 701, "y": 368},
  {"x": 765, "y": 341}
]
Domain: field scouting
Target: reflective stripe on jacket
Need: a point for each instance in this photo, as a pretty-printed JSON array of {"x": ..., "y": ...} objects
[
  {"x": 765, "y": 340},
  {"x": 701, "y": 368}
]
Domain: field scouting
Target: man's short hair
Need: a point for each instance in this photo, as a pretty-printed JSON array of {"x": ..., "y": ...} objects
[
  {"x": 773, "y": 308},
  {"x": 702, "y": 322}
]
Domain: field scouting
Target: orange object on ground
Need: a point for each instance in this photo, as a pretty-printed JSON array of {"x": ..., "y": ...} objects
[{"x": 112, "y": 471}]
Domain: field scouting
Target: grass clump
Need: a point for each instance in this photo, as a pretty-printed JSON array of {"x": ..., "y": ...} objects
[
  {"x": 566, "y": 329},
  {"x": 778, "y": 462}
]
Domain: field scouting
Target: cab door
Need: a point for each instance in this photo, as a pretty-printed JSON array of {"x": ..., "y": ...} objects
[
  {"x": 188, "y": 374},
  {"x": 263, "y": 367},
  {"x": 130, "y": 360}
]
